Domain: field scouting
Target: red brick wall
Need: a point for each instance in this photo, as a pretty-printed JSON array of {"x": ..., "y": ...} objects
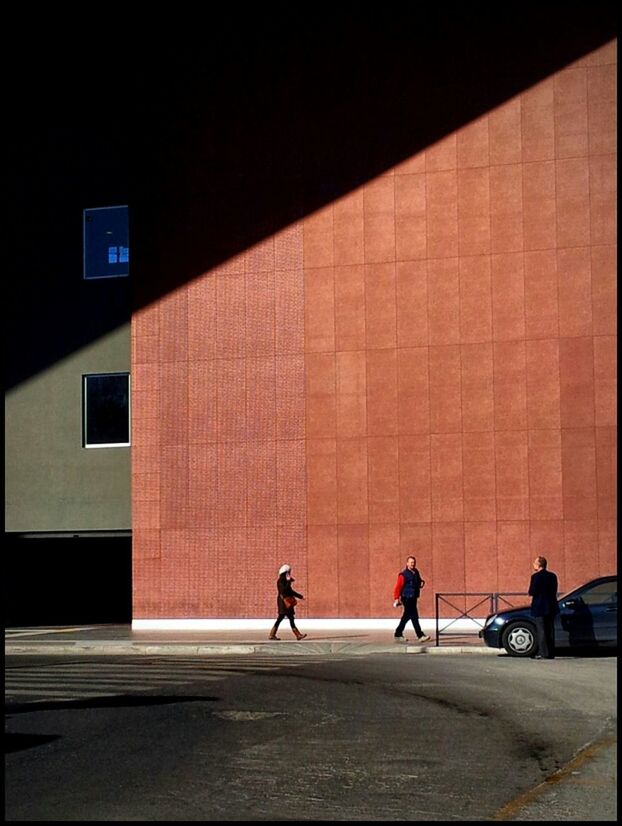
[{"x": 425, "y": 366}]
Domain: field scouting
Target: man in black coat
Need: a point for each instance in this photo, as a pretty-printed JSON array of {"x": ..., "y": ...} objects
[{"x": 544, "y": 607}]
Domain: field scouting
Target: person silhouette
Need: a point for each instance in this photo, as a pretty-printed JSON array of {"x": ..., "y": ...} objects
[
  {"x": 406, "y": 593},
  {"x": 544, "y": 607},
  {"x": 286, "y": 601}
]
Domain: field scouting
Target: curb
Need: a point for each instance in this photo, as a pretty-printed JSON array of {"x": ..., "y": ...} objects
[{"x": 213, "y": 649}]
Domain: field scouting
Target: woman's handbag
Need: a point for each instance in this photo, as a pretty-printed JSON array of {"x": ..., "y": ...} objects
[{"x": 290, "y": 602}]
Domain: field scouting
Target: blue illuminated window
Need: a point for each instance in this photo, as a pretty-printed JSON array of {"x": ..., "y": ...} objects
[{"x": 106, "y": 242}]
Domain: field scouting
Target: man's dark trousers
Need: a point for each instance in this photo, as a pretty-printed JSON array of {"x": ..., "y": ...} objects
[
  {"x": 410, "y": 614},
  {"x": 545, "y": 633}
]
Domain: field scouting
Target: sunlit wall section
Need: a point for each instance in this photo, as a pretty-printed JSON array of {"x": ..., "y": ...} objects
[
  {"x": 460, "y": 353},
  {"x": 426, "y": 366},
  {"x": 219, "y": 469}
]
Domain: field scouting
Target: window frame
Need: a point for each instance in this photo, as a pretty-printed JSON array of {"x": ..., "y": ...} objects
[
  {"x": 85, "y": 212},
  {"x": 85, "y": 377}
]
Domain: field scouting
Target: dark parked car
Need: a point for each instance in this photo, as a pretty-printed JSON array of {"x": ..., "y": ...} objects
[{"x": 588, "y": 616}]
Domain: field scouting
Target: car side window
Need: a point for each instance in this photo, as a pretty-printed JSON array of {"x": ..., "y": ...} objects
[{"x": 604, "y": 592}]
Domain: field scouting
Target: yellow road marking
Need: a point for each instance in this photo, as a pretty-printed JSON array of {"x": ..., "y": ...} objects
[{"x": 511, "y": 809}]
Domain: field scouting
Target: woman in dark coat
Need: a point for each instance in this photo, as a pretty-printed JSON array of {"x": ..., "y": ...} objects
[{"x": 284, "y": 607}]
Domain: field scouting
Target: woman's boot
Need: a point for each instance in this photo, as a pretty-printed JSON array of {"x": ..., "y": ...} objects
[
  {"x": 299, "y": 636},
  {"x": 273, "y": 631}
]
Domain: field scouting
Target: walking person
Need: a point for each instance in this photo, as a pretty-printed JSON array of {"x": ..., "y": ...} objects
[
  {"x": 544, "y": 607},
  {"x": 406, "y": 593},
  {"x": 285, "y": 602}
]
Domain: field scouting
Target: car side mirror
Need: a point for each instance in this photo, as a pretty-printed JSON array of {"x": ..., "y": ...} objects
[{"x": 571, "y": 603}]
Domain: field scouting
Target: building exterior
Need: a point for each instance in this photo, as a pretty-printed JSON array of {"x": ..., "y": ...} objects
[
  {"x": 424, "y": 364},
  {"x": 370, "y": 312},
  {"x": 67, "y": 507}
]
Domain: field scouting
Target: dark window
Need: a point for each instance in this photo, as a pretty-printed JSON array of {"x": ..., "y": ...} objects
[
  {"x": 106, "y": 410},
  {"x": 106, "y": 242}
]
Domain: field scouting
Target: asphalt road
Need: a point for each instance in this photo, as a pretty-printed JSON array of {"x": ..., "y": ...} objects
[{"x": 351, "y": 738}]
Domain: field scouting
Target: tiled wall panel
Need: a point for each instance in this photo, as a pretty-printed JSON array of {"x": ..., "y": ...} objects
[{"x": 425, "y": 365}]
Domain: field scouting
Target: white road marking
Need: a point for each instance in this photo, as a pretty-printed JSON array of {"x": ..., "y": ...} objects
[{"x": 92, "y": 678}]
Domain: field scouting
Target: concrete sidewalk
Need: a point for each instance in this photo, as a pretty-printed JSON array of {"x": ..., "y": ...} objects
[{"x": 121, "y": 639}]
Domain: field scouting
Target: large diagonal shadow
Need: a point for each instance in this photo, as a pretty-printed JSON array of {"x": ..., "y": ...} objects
[{"x": 218, "y": 143}]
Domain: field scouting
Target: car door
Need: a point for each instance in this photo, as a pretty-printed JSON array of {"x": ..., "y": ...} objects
[
  {"x": 589, "y": 616},
  {"x": 602, "y": 602}
]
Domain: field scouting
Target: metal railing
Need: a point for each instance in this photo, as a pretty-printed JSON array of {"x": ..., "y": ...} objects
[{"x": 492, "y": 600}]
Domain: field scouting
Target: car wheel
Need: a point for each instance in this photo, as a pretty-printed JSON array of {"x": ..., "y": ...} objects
[{"x": 519, "y": 639}]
